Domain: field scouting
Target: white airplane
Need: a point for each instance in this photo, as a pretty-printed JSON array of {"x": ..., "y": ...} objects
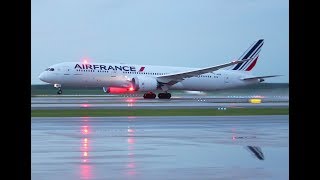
[{"x": 128, "y": 78}]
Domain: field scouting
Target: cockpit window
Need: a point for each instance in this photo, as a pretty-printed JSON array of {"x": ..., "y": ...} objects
[{"x": 49, "y": 69}]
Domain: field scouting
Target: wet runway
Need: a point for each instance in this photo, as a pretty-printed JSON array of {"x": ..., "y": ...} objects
[
  {"x": 232, "y": 147},
  {"x": 112, "y": 102}
]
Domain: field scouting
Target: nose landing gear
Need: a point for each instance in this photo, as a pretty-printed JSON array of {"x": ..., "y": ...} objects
[
  {"x": 59, "y": 91},
  {"x": 59, "y": 88}
]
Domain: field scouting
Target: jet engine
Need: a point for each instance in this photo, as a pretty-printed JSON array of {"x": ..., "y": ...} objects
[{"x": 144, "y": 83}]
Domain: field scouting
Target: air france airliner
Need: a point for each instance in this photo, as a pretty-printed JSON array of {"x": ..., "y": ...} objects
[{"x": 128, "y": 78}]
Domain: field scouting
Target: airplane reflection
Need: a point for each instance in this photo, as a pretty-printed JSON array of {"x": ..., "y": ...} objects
[
  {"x": 85, "y": 168},
  {"x": 256, "y": 151},
  {"x": 85, "y": 171},
  {"x": 85, "y": 130},
  {"x": 131, "y": 165},
  {"x": 130, "y": 101},
  {"x": 85, "y": 105}
]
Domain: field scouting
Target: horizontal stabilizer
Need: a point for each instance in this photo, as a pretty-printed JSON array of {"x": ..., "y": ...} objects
[{"x": 259, "y": 77}]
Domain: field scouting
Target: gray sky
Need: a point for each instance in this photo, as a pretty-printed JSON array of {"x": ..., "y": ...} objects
[{"x": 188, "y": 33}]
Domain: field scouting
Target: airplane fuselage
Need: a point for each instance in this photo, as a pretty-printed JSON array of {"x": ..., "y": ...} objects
[{"x": 120, "y": 75}]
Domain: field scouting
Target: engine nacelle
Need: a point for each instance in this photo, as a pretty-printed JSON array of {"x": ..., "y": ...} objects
[{"x": 144, "y": 83}]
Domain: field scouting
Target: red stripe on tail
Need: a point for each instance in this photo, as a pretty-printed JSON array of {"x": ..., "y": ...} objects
[{"x": 252, "y": 64}]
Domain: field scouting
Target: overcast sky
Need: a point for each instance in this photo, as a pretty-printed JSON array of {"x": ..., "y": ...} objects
[{"x": 188, "y": 33}]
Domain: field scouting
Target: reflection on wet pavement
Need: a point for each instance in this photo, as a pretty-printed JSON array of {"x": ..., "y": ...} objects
[{"x": 249, "y": 147}]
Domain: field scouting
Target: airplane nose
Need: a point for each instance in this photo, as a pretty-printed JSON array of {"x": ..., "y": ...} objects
[{"x": 42, "y": 76}]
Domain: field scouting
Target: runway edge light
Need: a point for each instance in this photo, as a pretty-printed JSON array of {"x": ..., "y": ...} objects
[{"x": 255, "y": 101}]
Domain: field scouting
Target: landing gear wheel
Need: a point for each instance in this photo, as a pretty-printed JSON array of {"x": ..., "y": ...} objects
[
  {"x": 149, "y": 95},
  {"x": 59, "y": 91},
  {"x": 164, "y": 95}
]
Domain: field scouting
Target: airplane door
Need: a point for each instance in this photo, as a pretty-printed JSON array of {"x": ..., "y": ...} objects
[{"x": 226, "y": 79}]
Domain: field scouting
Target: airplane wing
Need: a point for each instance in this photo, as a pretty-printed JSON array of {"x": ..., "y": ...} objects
[
  {"x": 173, "y": 78},
  {"x": 259, "y": 77}
]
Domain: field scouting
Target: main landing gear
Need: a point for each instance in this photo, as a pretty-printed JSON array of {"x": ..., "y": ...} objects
[
  {"x": 59, "y": 88},
  {"x": 151, "y": 95},
  {"x": 164, "y": 95}
]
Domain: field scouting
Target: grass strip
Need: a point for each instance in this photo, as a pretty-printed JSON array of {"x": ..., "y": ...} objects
[{"x": 159, "y": 112}]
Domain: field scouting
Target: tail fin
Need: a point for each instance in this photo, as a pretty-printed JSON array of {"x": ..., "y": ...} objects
[{"x": 251, "y": 53}]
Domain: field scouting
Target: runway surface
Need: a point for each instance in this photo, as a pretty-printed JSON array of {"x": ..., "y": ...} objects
[
  {"x": 113, "y": 102},
  {"x": 228, "y": 147}
]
